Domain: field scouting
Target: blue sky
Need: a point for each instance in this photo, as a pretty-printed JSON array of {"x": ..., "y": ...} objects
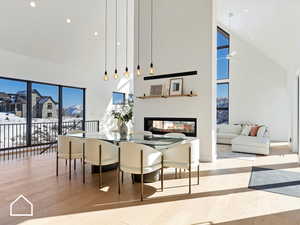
[
  {"x": 71, "y": 96},
  {"x": 222, "y": 65}
]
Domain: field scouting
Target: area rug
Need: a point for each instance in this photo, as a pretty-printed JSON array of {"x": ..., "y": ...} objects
[
  {"x": 275, "y": 181},
  {"x": 237, "y": 155}
]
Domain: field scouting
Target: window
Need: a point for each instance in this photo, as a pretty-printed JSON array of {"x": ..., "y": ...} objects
[
  {"x": 223, "y": 45},
  {"x": 43, "y": 118},
  {"x": 49, "y": 106}
]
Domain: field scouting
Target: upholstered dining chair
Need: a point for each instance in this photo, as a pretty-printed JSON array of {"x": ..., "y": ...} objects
[
  {"x": 176, "y": 135},
  {"x": 99, "y": 153},
  {"x": 139, "y": 159},
  {"x": 69, "y": 148},
  {"x": 183, "y": 156}
]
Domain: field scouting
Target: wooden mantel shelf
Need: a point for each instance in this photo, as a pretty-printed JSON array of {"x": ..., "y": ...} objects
[{"x": 171, "y": 96}]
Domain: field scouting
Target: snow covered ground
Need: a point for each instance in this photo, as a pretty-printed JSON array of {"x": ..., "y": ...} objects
[{"x": 13, "y": 129}]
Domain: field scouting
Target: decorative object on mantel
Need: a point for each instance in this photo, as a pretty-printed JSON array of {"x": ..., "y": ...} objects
[
  {"x": 124, "y": 115},
  {"x": 156, "y": 90},
  {"x": 171, "y": 75},
  {"x": 176, "y": 86}
]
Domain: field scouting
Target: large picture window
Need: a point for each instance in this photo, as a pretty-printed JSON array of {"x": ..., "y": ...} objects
[
  {"x": 223, "y": 49},
  {"x": 34, "y": 113}
]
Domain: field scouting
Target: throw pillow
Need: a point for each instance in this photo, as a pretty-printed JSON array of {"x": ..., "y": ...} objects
[
  {"x": 254, "y": 130},
  {"x": 246, "y": 130},
  {"x": 261, "y": 131}
]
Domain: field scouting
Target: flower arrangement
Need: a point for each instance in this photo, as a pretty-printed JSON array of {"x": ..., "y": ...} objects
[{"x": 125, "y": 114}]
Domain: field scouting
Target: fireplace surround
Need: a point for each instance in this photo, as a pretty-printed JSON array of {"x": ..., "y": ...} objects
[{"x": 164, "y": 125}]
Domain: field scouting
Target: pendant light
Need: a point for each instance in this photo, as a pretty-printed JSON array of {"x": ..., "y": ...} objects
[
  {"x": 151, "y": 70},
  {"x": 106, "y": 78},
  {"x": 138, "y": 69},
  {"x": 116, "y": 75},
  {"x": 126, "y": 74}
]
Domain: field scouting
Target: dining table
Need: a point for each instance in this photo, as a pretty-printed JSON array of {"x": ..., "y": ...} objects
[{"x": 158, "y": 142}]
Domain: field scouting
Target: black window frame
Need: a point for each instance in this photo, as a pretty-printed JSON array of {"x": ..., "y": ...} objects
[
  {"x": 220, "y": 81},
  {"x": 60, "y": 105}
]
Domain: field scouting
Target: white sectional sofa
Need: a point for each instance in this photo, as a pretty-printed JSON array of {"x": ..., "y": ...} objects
[
  {"x": 248, "y": 144},
  {"x": 234, "y": 135},
  {"x": 225, "y": 133}
]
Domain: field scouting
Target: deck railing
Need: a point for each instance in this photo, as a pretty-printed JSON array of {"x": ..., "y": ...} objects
[{"x": 14, "y": 143}]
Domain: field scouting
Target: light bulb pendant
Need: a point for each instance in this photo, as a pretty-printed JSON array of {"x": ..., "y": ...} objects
[
  {"x": 138, "y": 70},
  {"x": 116, "y": 75},
  {"x": 105, "y": 78},
  {"x": 151, "y": 70},
  {"x": 126, "y": 74}
]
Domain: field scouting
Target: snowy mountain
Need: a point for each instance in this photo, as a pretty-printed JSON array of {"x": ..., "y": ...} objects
[{"x": 73, "y": 111}]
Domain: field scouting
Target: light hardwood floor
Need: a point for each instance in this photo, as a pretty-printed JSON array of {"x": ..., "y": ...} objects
[{"x": 223, "y": 196}]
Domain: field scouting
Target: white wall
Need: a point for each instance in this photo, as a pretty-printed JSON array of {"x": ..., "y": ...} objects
[
  {"x": 82, "y": 65},
  {"x": 184, "y": 40},
  {"x": 98, "y": 92},
  {"x": 258, "y": 90}
]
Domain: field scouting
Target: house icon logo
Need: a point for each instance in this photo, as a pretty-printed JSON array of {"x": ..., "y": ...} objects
[{"x": 21, "y": 207}]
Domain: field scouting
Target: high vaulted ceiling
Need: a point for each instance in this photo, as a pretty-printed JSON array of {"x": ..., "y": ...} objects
[
  {"x": 42, "y": 32},
  {"x": 270, "y": 25}
]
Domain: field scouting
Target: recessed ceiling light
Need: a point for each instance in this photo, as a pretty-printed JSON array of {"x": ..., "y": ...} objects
[
  {"x": 33, "y": 4},
  {"x": 68, "y": 20},
  {"x": 118, "y": 43},
  {"x": 96, "y": 33}
]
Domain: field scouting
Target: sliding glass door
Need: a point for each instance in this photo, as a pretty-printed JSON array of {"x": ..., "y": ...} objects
[
  {"x": 44, "y": 101},
  {"x": 13, "y": 113},
  {"x": 72, "y": 109}
]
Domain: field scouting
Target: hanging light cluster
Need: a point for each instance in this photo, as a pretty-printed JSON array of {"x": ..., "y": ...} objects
[{"x": 138, "y": 69}]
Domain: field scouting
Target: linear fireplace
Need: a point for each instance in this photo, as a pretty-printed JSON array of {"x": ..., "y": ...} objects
[{"x": 163, "y": 125}]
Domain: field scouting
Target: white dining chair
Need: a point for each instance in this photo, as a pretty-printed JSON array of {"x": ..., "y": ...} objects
[
  {"x": 183, "y": 156},
  {"x": 99, "y": 153},
  {"x": 69, "y": 148},
  {"x": 175, "y": 135},
  {"x": 139, "y": 159}
]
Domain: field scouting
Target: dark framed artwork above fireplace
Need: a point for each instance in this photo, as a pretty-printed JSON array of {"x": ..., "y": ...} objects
[{"x": 164, "y": 125}]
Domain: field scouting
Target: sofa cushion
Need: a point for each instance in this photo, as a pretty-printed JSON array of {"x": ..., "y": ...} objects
[
  {"x": 227, "y": 128},
  {"x": 251, "y": 141},
  {"x": 246, "y": 130},
  {"x": 262, "y": 131},
  {"x": 227, "y": 135}
]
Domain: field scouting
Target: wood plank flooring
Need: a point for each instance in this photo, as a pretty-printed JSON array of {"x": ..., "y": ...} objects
[{"x": 222, "y": 197}]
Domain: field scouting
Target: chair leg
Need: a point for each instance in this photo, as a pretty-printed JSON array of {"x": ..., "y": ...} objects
[
  {"x": 118, "y": 171},
  {"x": 70, "y": 159},
  {"x": 66, "y": 162},
  {"x": 190, "y": 171},
  {"x": 100, "y": 167},
  {"x": 122, "y": 177},
  {"x": 83, "y": 164},
  {"x": 175, "y": 173},
  {"x": 162, "y": 174},
  {"x": 180, "y": 173},
  {"x": 74, "y": 164},
  {"x": 142, "y": 176},
  {"x": 132, "y": 178},
  {"x": 57, "y": 163},
  {"x": 198, "y": 174}
]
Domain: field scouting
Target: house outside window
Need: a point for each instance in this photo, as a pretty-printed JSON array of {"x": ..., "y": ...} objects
[
  {"x": 223, "y": 78},
  {"x": 49, "y": 115}
]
